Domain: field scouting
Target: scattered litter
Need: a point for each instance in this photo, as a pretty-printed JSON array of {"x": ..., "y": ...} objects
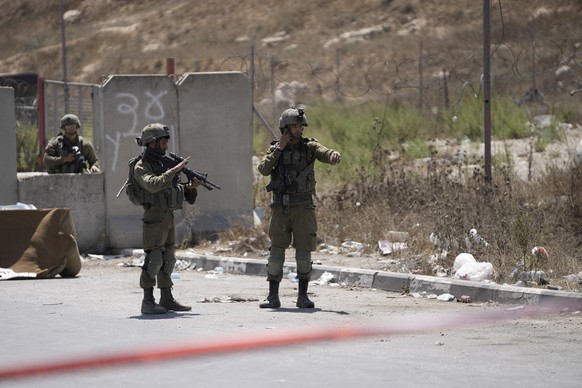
[
  {"x": 515, "y": 308},
  {"x": 464, "y": 299},
  {"x": 324, "y": 279},
  {"x": 258, "y": 215},
  {"x": 228, "y": 299},
  {"x": 176, "y": 276},
  {"x": 134, "y": 262},
  {"x": 292, "y": 276},
  {"x": 440, "y": 272},
  {"x": 214, "y": 273},
  {"x": 474, "y": 241},
  {"x": 181, "y": 265},
  {"x": 7, "y": 273},
  {"x": 387, "y": 247},
  {"x": 467, "y": 268},
  {"x": 439, "y": 343},
  {"x": 462, "y": 259},
  {"x": 329, "y": 249},
  {"x": 353, "y": 245},
  {"x": 573, "y": 278},
  {"x": 536, "y": 276},
  {"x": 446, "y": 297},
  {"x": 103, "y": 257}
]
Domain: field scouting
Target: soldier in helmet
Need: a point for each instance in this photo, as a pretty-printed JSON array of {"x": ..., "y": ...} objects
[
  {"x": 290, "y": 164},
  {"x": 68, "y": 152},
  {"x": 162, "y": 184}
]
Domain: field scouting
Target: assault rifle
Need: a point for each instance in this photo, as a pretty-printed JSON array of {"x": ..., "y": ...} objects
[
  {"x": 79, "y": 162},
  {"x": 174, "y": 159}
]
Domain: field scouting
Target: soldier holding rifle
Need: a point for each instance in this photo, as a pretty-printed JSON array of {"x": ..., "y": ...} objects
[{"x": 290, "y": 163}]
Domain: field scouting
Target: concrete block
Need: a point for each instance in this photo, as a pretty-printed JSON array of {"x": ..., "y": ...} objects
[
  {"x": 357, "y": 277},
  {"x": 82, "y": 193},
  {"x": 391, "y": 281}
]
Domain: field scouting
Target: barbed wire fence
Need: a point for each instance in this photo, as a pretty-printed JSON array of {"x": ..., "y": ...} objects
[
  {"x": 530, "y": 69},
  {"x": 541, "y": 71}
]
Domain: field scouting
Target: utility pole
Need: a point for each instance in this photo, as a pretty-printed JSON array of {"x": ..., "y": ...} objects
[
  {"x": 486, "y": 87},
  {"x": 64, "y": 46}
]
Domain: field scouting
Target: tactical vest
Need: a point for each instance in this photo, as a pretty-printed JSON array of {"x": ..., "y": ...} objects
[
  {"x": 78, "y": 166},
  {"x": 294, "y": 172},
  {"x": 170, "y": 198}
]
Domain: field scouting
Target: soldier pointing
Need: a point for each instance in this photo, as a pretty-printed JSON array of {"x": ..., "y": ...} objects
[{"x": 290, "y": 164}]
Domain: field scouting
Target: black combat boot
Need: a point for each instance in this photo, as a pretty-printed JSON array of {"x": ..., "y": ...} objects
[
  {"x": 149, "y": 305},
  {"x": 302, "y": 299},
  {"x": 272, "y": 301},
  {"x": 169, "y": 303}
]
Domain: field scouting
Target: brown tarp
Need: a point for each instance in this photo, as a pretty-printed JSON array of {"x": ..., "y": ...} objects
[{"x": 39, "y": 241}]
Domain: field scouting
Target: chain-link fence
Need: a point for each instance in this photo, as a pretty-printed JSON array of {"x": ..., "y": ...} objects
[
  {"x": 70, "y": 97},
  {"x": 25, "y": 95}
]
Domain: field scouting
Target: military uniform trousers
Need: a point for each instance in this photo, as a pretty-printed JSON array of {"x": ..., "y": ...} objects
[
  {"x": 297, "y": 224},
  {"x": 158, "y": 243}
]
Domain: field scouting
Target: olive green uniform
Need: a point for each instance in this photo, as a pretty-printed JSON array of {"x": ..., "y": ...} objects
[
  {"x": 158, "y": 220},
  {"x": 59, "y": 147},
  {"x": 293, "y": 217}
]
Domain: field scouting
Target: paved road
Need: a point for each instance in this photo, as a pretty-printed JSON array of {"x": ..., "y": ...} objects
[{"x": 97, "y": 314}]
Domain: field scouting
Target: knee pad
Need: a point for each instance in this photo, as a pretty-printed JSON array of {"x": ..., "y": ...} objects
[
  {"x": 277, "y": 253},
  {"x": 169, "y": 260},
  {"x": 304, "y": 266}
]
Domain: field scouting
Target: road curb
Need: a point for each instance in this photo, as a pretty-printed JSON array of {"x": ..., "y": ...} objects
[{"x": 392, "y": 281}]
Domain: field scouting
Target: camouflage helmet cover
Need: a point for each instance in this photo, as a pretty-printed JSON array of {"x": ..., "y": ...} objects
[
  {"x": 152, "y": 132},
  {"x": 293, "y": 116},
  {"x": 70, "y": 119}
]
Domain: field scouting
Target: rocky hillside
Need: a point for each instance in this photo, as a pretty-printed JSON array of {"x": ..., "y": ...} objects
[{"x": 125, "y": 36}]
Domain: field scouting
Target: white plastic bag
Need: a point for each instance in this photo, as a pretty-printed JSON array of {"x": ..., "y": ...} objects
[
  {"x": 475, "y": 271},
  {"x": 462, "y": 259}
]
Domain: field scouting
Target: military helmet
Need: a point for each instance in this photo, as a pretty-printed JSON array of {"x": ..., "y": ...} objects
[
  {"x": 70, "y": 119},
  {"x": 292, "y": 116},
  {"x": 152, "y": 132}
]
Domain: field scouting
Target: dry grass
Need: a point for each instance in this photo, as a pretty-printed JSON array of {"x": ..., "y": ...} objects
[{"x": 448, "y": 199}]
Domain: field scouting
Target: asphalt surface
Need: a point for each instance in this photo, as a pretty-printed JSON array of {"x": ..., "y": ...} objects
[{"x": 89, "y": 332}]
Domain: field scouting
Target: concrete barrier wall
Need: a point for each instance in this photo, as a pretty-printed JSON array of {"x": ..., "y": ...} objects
[
  {"x": 209, "y": 115},
  {"x": 215, "y": 130},
  {"x": 126, "y": 104},
  {"x": 8, "y": 189},
  {"x": 82, "y": 193}
]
